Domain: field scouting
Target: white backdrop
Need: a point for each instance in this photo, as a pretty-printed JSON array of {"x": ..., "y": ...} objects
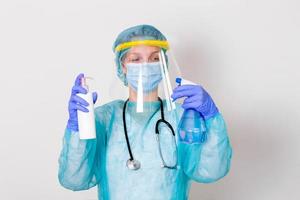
[{"x": 245, "y": 53}]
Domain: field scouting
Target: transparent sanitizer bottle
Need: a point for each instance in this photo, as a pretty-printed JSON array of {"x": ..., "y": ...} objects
[{"x": 191, "y": 126}]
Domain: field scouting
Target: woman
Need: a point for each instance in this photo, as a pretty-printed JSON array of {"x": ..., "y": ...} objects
[{"x": 102, "y": 161}]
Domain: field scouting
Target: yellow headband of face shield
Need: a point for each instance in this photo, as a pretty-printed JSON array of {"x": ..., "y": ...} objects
[{"x": 157, "y": 43}]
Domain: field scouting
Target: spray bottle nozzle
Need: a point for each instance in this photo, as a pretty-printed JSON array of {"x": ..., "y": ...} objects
[
  {"x": 182, "y": 81},
  {"x": 178, "y": 80}
]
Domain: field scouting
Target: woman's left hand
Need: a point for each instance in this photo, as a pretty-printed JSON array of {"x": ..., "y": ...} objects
[{"x": 197, "y": 99}]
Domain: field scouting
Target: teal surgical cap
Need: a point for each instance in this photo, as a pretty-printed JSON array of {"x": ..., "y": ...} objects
[{"x": 135, "y": 33}]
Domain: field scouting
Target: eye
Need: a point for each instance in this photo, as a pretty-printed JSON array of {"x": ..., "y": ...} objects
[
  {"x": 135, "y": 60},
  {"x": 154, "y": 58}
]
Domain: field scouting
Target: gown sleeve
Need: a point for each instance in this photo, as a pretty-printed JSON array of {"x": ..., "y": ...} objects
[
  {"x": 80, "y": 159},
  {"x": 208, "y": 161}
]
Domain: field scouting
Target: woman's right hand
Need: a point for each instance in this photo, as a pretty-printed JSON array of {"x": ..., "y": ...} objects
[{"x": 77, "y": 103}]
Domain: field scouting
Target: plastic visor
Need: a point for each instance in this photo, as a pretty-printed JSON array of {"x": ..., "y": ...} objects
[{"x": 151, "y": 79}]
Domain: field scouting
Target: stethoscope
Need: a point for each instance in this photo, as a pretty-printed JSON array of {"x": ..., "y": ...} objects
[{"x": 134, "y": 164}]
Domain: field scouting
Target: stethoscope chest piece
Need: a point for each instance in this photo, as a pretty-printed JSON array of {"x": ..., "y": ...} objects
[{"x": 133, "y": 164}]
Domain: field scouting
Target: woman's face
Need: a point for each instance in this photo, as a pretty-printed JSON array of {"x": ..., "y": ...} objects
[{"x": 140, "y": 54}]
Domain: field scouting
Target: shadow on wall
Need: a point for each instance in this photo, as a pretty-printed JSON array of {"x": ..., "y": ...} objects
[{"x": 260, "y": 156}]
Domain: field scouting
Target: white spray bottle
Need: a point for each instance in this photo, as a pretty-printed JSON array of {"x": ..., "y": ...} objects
[{"x": 86, "y": 120}]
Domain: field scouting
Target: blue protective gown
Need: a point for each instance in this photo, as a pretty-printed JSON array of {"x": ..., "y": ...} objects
[{"x": 86, "y": 163}]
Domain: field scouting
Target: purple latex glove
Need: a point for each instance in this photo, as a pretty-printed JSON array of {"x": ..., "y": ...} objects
[
  {"x": 197, "y": 99},
  {"x": 77, "y": 103}
]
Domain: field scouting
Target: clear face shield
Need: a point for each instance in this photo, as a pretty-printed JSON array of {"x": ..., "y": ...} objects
[{"x": 151, "y": 75}]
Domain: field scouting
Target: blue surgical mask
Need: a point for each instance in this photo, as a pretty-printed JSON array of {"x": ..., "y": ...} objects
[{"x": 150, "y": 74}]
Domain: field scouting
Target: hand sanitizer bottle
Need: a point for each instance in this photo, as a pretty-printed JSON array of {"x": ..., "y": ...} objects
[{"x": 86, "y": 120}]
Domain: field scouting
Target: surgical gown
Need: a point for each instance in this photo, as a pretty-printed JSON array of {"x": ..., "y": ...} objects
[{"x": 84, "y": 164}]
